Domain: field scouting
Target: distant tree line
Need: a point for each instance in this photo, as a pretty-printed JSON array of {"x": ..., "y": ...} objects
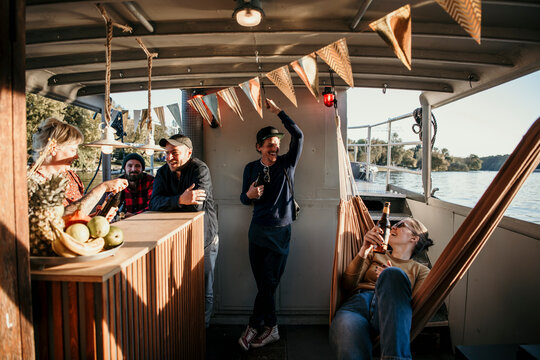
[
  {"x": 39, "y": 108},
  {"x": 494, "y": 162},
  {"x": 441, "y": 160}
]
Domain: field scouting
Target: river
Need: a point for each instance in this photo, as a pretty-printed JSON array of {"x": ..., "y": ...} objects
[{"x": 466, "y": 188}]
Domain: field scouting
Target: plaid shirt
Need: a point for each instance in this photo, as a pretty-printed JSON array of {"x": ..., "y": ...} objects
[{"x": 136, "y": 200}]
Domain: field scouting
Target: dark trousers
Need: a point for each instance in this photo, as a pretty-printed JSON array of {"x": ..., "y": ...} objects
[{"x": 267, "y": 266}]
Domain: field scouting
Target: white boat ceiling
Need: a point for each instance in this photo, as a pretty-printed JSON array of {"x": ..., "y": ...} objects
[{"x": 200, "y": 45}]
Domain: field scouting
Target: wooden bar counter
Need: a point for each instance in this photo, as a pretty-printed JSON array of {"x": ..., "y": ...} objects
[{"x": 145, "y": 302}]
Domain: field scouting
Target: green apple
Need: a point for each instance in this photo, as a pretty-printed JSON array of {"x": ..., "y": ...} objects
[
  {"x": 79, "y": 232},
  {"x": 99, "y": 226},
  {"x": 114, "y": 238}
]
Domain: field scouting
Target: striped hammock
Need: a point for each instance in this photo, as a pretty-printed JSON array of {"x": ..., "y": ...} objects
[{"x": 465, "y": 245}]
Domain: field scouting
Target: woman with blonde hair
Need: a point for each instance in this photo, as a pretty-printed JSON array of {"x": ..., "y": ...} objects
[
  {"x": 66, "y": 139},
  {"x": 382, "y": 286}
]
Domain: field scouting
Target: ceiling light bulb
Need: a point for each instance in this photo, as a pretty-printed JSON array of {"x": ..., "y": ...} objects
[
  {"x": 248, "y": 17},
  {"x": 107, "y": 149}
]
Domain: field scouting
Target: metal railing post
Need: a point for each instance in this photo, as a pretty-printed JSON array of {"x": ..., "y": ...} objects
[
  {"x": 368, "y": 155},
  {"x": 388, "y": 154},
  {"x": 426, "y": 146}
]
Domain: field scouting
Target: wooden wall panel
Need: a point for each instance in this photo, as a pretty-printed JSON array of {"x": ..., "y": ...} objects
[
  {"x": 16, "y": 332},
  {"x": 152, "y": 309}
]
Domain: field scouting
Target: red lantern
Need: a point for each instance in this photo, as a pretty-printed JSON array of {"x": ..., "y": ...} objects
[{"x": 328, "y": 97}]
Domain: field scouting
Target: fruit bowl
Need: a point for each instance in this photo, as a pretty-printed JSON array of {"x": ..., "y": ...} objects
[{"x": 43, "y": 261}]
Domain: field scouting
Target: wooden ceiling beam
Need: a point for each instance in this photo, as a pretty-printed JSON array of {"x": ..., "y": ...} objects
[{"x": 266, "y": 54}]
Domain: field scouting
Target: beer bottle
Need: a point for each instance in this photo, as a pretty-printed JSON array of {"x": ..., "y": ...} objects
[
  {"x": 112, "y": 201},
  {"x": 384, "y": 224}
]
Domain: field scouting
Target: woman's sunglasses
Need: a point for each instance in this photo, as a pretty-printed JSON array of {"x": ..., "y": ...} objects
[{"x": 403, "y": 223}]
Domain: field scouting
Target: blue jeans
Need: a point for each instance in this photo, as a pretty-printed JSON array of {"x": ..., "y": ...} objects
[
  {"x": 386, "y": 312},
  {"x": 210, "y": 255}
]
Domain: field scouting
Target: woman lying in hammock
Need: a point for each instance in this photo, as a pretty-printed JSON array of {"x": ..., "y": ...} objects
[{"x": 382, "y": 286}]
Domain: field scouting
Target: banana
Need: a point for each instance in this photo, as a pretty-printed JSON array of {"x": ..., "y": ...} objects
[
  {"x": 61, "y": 250},
  {"x": 91, "y": 247}
]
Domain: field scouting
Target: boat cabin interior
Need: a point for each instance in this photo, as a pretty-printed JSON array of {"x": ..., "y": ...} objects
[{"x": 57, "y": 48}]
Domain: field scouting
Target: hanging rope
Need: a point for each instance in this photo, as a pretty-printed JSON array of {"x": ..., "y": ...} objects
[
  {"x": 109, "y": 24},
  {"x": 149, "y": 57}
]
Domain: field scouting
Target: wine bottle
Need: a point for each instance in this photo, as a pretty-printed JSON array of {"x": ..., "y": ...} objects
[
  {"x": 384, "y": 224},
  {"x": 111, "y": 201}
]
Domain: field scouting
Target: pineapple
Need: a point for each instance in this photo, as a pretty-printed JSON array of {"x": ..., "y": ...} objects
[{"x": 45, "y": 207}]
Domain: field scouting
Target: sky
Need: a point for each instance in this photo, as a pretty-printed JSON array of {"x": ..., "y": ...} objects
[
  {"x": 491, "y": 122},
  {"x": 138, "y": 100}
]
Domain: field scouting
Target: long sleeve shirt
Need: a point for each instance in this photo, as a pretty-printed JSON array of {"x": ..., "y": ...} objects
[
  {"x": 360, "y": 273},
  {"x": 275, "y": 206},
  {"x": 168, "y": 188}
]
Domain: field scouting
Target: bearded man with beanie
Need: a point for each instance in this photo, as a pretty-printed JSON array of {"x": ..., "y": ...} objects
[{"x": 136, "y": 197}]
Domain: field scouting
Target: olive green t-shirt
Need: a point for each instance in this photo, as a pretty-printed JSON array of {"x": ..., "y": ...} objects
[{"x": 360, "y": 273}]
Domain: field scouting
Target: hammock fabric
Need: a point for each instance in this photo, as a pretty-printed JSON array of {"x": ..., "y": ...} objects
[
  {"x": 473, "y": 234},
  {"x": 353, "y": 222}
]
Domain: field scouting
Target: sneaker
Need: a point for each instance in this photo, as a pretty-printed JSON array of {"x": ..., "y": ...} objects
[
  {"x": 269, "y": 335},
  {"x": 247, "y": 337}
]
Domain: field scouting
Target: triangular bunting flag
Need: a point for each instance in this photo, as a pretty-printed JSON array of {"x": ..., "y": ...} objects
[
  {"x": 467, "y": 13},
  {"x": 198, "y": 104},
  {"x": 136, "y": 118},
  {"x": 229, "y": 96},
  {"x": 144, "y": 118},
  {"x": 211, "y": 101},
  {"x": 306, "y": 68},
  {"x": 175, "y": 111},
  {"x": 125, "y": 116},
  {"x": 281, "y": 77},
  {"x": 395, "y": 29},
  {"x": 252, "y": 89},
  {"x": 336, "y": 55},
  {"x": 160, "y": 112}
]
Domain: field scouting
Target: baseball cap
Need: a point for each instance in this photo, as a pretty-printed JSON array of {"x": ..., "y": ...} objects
[
  {"x": 267, "y": 132},
  {"x": 176, "y": 140}
]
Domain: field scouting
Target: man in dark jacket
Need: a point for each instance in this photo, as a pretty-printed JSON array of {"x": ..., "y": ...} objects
[{"x": 184, "y": 184}]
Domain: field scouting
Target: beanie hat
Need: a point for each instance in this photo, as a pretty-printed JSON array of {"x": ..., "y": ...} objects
[{"x": 132, "y": 156}]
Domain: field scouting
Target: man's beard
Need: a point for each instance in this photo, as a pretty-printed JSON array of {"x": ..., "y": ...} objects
[{"x": 133, "y": 176}]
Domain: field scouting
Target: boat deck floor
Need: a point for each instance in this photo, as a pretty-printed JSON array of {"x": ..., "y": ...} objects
[{"x": 298, "y": 342}]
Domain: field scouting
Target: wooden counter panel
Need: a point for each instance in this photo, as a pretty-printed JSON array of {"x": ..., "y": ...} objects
[
  {"x": 152, "y": 308},
  {"x": 142, "y": 233}
]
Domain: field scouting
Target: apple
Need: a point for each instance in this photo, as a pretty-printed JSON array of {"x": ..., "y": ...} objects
[
  {"x": 99, "y": 226},
  {"x": 79, "y": 232},
  {"x": 114, "y": 238}
]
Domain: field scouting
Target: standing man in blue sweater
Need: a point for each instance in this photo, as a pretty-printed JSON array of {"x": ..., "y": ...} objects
[{"x": 267, "y": 185}]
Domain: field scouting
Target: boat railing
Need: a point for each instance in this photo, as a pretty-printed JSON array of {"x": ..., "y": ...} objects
[{"x": 389, "y": 144}]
